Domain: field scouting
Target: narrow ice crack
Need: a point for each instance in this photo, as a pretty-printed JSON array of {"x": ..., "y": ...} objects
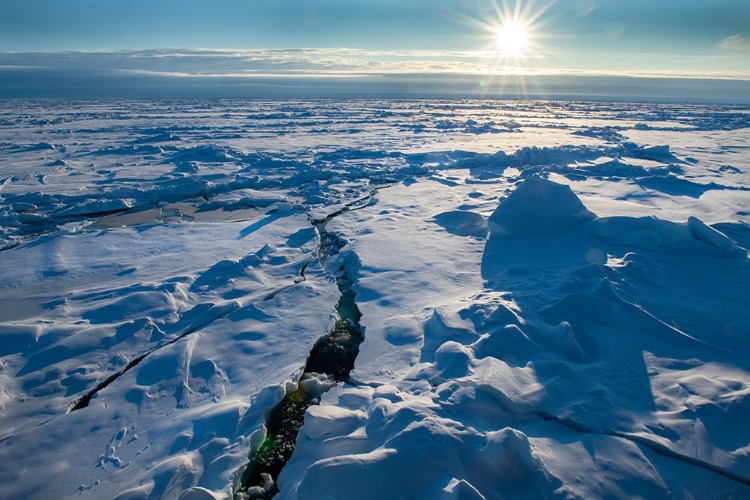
[
  {"x": 651, "y": 445},
  {"x": 84, "y": 400},
  {"x": 356, "y": 204},
  {"x": 330, "y": 362},
  {"x": 232, "y": 306},
  {"x": 297, "y": 281},
  {"x": 327, "y": 248},
  {"x": 32, "y": 427}
]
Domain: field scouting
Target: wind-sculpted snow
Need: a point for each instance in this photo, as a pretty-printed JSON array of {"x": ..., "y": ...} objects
[
  {"x": 576, "y": 337},
  {"x": 553, "y": 297}
]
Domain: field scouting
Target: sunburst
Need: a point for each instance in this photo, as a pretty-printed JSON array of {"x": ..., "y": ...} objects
[{"x": 513, "y": 30}]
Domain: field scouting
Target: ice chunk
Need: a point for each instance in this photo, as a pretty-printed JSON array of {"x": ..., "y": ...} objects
[
  {"x": 710, "y": 235},
  {"x": 100, "y": 206}
]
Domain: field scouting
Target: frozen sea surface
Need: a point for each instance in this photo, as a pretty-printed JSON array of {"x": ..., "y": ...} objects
[{"x": 553, "y": 297}]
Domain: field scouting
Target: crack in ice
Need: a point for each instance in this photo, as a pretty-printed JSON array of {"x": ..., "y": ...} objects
[
  {"x": 319, "y": 225},
  {"x": 84, "y": 400},
  {"x": 330, "y": 361},
  {"x": 657, "y": 448}
]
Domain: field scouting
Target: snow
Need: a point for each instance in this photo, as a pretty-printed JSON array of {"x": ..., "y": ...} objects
[
  {"x": 538, "y": 207},
  {"x": 557, "y": 310}
]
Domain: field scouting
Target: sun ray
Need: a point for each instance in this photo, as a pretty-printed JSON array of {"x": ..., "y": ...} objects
[{"x": 514, "y": 30}]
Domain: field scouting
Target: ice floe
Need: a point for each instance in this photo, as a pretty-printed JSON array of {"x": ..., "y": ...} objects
[{"x": 552, "y": 296}]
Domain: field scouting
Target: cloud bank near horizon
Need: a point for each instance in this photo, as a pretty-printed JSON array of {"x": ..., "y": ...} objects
[{"x": 339, "y": 72}]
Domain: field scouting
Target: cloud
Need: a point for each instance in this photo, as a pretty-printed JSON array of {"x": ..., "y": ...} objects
[
  {"x": 734, "y": 42},
  {"x": 584, "y": 7},
  {"x": 331, "y": 62},
  {"x": 337, "y": 72},
  {"x": 313, "y": 63}
]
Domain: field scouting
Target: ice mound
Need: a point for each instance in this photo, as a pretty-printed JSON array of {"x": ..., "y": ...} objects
[
  {"x": 452, "y": 360},
  {"x": 509, "y": 343},
  {"x": 655, "y": 153},
  {"x": 502, "y": 314},
  {"x": 462, "y": 223},
  {"x": 538, "y": 207},
  {"x": 439, "y": 329},
  {"x": 509, "y": 453},
  {"x": 563, "y": 340}
]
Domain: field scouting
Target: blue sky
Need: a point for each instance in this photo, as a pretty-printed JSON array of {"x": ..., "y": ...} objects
[{"x": 658, "y": 38}]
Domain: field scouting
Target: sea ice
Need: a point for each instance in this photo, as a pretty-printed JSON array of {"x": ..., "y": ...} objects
[{"x": 553, "y": 297}]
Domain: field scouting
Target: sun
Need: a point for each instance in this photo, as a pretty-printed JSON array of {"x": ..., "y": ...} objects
[
  {"x": 513, "y": 28},
  {"x": 512, "y": 38},
  {"x": 513, "y": 34}
]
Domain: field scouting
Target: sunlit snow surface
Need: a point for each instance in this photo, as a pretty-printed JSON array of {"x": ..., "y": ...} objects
[{"x": 523, "y": 339}]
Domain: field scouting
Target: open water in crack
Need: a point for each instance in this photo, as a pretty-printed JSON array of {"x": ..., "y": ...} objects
[{"x": 331, "y": 358}]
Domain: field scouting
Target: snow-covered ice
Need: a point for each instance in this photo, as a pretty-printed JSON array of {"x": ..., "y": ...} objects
[{"x": 553, "y": 297}]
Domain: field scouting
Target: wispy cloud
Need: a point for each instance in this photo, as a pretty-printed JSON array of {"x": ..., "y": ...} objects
[
  {"x": 316, "y": 63},
  {"x": 338, "y": 72},
  {"x": 735, "y": 42},
  {"x": 584, "y": 7},
  {"x": 211, "y": 62}
]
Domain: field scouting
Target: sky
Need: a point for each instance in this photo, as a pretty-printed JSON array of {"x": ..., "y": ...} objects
[{"x": 375, "y": 47}]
